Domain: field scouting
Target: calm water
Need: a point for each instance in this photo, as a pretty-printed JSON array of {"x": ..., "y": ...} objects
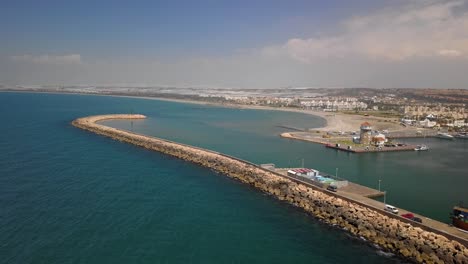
[
  {"x": 429, "y": 183},
  {"x": 68, "y": 196}
]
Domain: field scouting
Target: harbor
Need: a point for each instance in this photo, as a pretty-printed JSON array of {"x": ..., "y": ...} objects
[
  {"x": 369, "y": 140},
  {"x": 146, "y": 132},
  {"x": 365, "y": 195},
  {"x": 343, "y": 144},
  {"x": 338, "y": 208}
]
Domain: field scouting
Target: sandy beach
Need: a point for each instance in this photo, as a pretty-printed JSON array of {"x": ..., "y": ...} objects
[{"x": 334, "y": 121}]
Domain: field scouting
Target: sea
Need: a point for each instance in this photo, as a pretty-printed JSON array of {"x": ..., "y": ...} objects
[{"x": 70, "y": 196}]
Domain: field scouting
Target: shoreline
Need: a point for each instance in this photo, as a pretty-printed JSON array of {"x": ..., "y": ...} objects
[
  {"x": 332, "y": 123},
  {"x": 407, "y": 239}
]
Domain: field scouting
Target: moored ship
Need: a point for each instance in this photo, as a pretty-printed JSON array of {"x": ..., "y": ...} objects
[
  {"x": 421, "y": 148},
  {"x": 462, "y": 135},
  {"x": 444, "y": 135},
  {"x": 460, "y": 217}
]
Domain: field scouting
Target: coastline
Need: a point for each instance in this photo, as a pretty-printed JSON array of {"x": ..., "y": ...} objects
[
  {"x": 391, "y": 232},
  {"x": 333, "y": 121}
]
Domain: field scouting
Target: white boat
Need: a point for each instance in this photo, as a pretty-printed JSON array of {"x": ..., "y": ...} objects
[
  {"x": 462, "y": 135},
  {"x": 421, "y": 148},
  {"x": 444, "y": 135}
]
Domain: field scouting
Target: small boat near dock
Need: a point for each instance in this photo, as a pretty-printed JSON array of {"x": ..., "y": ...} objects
[
  {"x": 421, "y": 148},
  {"x": 460, "y": 217}
]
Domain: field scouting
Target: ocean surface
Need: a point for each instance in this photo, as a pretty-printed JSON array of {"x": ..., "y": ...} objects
[{"x": 70, "y": 196}]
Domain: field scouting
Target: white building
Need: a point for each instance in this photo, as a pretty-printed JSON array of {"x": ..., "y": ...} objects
[
  {"x": 459, "y": 123},
  {"x": 379, "y": 140},
  {"x": 427, "y": 123},
  {"x": 304, "y": 172},
  {"x": 408, "y": 121},
  {"x": 334, "y": 103}
]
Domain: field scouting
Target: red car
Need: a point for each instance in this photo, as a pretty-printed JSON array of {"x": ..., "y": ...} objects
[{"x": 408, "y": 215}]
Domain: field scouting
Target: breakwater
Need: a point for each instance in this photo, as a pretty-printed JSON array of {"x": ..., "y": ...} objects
[{"x": 396, "y": 235}]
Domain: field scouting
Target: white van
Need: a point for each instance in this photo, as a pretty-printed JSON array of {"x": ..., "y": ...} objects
[{"x": 391, "y": 209}]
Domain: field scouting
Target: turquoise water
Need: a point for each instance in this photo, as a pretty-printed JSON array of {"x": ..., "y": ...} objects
[{"x": 69, "y": 196}]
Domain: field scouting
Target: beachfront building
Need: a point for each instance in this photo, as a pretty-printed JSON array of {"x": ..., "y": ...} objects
[
  {"x": 436, "y": 111},
  {"x": 333, "y": 104},
  {"x": 379, "y": 140},
  {"x": 460, "y": 123},
  {"x": 365, "y": 133},
  {"x": 427, "y": 123},
  {"x": 408, "y": 121}
]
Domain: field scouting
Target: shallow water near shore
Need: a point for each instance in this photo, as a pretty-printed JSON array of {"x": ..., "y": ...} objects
[{"x": 67, "y": 195}]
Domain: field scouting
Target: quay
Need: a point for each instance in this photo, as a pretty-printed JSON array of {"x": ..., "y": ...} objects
[
  {"x": 351, "y": 187},
  {"x": 308, "y": 137},
  {"x": 364, "y": 191},
  {"x": 372, "y": 149},
  {"x": 363, "y": 194},
  {"x": 427, "y": 242}
]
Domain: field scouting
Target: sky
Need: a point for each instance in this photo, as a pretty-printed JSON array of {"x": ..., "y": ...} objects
[{"x": 236, "y": 44}]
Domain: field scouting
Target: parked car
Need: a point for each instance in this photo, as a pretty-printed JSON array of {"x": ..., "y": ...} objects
[
  {"x": 411, "y": 216},
  {"x": 408, "y": 215},
  {"x": 332, "y": 188},
  {"x": 391, "y": 209}
]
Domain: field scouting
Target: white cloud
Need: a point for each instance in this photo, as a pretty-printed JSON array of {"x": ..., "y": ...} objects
[
  {"x": 48, "y": 59},
  {"x": 418, "y": 29},
  {"x": 309, "y": 49}
]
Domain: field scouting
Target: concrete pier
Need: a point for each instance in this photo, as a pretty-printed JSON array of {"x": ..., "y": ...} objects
[
  {"x": 372, "y": 149},
  {"x": 309, "y": 137},
  {"x": 352, "y": 188},
  {"x": 358, "y": 215}
]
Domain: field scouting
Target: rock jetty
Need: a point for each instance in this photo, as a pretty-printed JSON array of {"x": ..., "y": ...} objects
[{"x": 389, "y": 233}]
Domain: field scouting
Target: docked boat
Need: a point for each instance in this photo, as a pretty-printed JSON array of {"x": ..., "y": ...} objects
[
  {"x": 421, "y": 148},
  {"x": 460, "y": 217},
  {"x": 462, "y": 135},
  {"x": 444, "y": 135}
]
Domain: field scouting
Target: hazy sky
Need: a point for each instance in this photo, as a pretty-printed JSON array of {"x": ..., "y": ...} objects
[{"x": 244, "y": 44}]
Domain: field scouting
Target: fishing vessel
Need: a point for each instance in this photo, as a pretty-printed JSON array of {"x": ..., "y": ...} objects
[
  {"x": 460, "y": 217},
  {"x": 444, "y": 135},
  {"x": 421, "y": 148}
]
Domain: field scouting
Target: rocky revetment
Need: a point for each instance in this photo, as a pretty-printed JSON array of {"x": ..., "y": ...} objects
[{"x": 390, "y": 233}]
